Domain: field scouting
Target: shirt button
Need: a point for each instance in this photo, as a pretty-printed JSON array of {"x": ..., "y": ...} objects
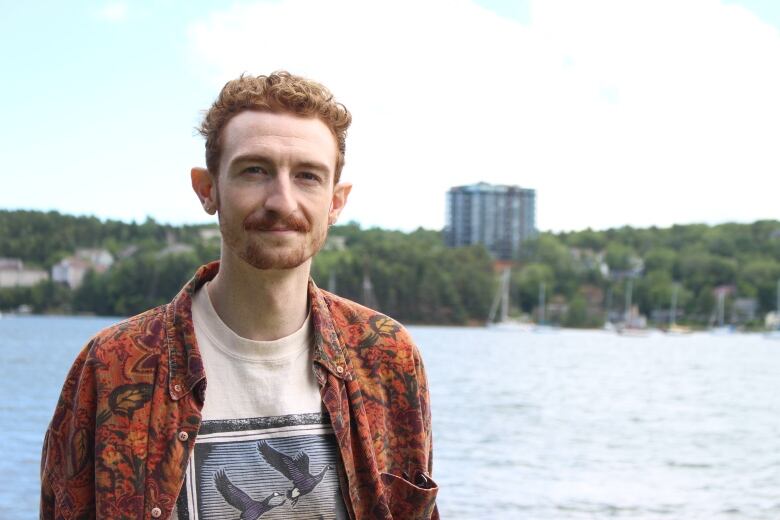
[
  {"x": 183, "y": 436},
  {"x": 156, "y": 512},
  {"x": 340, "y": 369},
  {"x": 177, "y": 388}
]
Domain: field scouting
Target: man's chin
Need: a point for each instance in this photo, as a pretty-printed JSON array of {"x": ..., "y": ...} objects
[
  {"x": 268, "y": 255},
  {"x": 266, "y": 262}
]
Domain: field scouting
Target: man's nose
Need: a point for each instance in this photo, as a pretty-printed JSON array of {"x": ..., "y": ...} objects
[{"x": 280, "y": 197}]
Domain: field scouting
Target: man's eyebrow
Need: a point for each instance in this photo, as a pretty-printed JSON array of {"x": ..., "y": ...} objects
[
  {"x": 313, "y": 165},
  {"x": 249, "y": 157}
]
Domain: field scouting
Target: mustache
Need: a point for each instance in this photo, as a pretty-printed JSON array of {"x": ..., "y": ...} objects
[{"x": 270, "y": 220}]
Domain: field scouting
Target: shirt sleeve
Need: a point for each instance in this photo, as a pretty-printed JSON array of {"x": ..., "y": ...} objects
[
  {"x": 67, "y": 463},
  {"x": 426, "y": 480}
]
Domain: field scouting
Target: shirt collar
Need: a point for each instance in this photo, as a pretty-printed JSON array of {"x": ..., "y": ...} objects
[
  {"x": 185, "y": 363},
  {"x": 328, "y": 347}
]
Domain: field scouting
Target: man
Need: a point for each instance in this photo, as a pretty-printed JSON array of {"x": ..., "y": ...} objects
[{"x": 316, "y": 407}]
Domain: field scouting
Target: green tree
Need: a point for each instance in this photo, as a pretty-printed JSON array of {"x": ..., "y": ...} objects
[{"x": 577, "y": 313}]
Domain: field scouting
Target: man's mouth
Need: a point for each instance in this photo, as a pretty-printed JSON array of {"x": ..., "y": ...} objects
[{"x": 278, "y": 230}]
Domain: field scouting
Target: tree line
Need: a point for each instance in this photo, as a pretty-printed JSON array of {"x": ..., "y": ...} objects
[{"x": 415, "y": 278}]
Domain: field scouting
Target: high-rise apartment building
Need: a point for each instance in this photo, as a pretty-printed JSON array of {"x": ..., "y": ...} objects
[{"x": 499, "y": 217}]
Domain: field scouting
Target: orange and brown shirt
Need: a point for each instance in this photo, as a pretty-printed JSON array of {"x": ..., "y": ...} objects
[{"x": 129, "y": 413}]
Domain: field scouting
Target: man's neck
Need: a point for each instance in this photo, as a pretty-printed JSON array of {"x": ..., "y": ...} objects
[{"x": 258, "y": 304}]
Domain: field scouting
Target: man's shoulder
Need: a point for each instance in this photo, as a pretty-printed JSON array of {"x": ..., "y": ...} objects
[
  {"x": 344, "y": 307},
  {"x": 362, "y": 327},
  {"x": 141, "y": 333}
]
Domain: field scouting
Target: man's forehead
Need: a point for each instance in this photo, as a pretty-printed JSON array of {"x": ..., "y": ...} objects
[
  {"x": 258, "y": 124},
  {"x": 268, "y": 132}
]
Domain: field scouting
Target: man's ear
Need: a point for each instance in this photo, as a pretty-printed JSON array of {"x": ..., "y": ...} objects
[
  {"x": 338, "y": 201},
  {"x": 205, "y": 188}
]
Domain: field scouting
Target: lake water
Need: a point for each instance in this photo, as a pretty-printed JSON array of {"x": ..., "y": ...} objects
[{"x": 565, "y": 425}]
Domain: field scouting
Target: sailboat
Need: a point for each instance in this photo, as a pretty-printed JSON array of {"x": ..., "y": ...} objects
[
  {"x": 775, "y": 333},
  {"x": 541, "y": 322},
  {"x": 501, "y": 304},
  {"x": 675, "y": 329},
  {"x": 721, "y": 312},
  {"x": 369, "y": 297},
  {"x": 633, "y": 324},
  {"x": 609, "y": 326}
]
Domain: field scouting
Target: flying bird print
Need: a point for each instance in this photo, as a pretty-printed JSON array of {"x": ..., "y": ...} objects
[
  {"x": 250, "y": 509},
  {"x": 294, "y": 468}
]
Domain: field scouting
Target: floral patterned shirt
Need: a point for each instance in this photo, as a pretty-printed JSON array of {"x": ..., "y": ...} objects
[{"x": 126, "y": 421}]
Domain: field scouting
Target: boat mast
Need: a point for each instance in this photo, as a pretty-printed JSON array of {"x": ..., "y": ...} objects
[
  {"x": 629, "y": 288},
  {"x": 541, "y": 303},
  {"x": 369, "y": 297},
  {"x": 501, "y": 299},
  {"x": 777, "y": 307},
  {"x": 505, "y": 295},
  {"x": 673, "y": 309}
]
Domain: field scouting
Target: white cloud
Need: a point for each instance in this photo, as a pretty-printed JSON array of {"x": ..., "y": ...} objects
[
  {"x": 113, "y": 12},
  {"x": 617, "y": 112}
]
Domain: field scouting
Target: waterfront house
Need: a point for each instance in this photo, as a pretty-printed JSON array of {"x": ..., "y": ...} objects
[
  {"x": 71, "y": 270},
  {"x": 14, "y": 274}
]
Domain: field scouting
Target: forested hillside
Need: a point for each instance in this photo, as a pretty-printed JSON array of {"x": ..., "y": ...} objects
[{"x": 414, "y": 277}]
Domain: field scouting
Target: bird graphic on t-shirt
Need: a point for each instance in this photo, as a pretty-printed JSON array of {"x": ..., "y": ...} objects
[
  {"x": 294, "y": 468},
  {"x": 250, "y": 509}
]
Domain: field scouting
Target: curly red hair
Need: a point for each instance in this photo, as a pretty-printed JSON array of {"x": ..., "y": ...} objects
[{"x": 278, "y": 92}]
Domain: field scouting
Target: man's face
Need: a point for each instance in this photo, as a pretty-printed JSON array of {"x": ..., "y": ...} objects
[{"x": 275, "y": 192}]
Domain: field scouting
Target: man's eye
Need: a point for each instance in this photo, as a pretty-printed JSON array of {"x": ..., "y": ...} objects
[
  {"x": 308, "y": 176},
  {"x": 257, "y": 170}
]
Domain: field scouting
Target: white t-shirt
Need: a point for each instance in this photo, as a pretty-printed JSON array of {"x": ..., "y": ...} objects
[{"x": 265, "y": 447}]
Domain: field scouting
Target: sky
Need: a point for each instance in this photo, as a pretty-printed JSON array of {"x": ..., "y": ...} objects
[{"x": 617, "y": 112}]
